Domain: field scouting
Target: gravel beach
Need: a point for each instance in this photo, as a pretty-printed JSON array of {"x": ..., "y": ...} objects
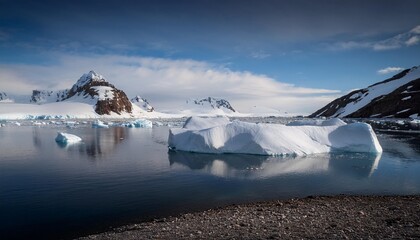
[{"x": 338, "y": 217}]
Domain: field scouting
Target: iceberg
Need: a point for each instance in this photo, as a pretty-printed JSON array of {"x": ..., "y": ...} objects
[
  {"x": 66, "y": 138},
  {"x": 139, "y": 123},
  {"x": 317, "y": 122},
  {"x": 99, "y": 124},
  {"x": 273, "y": 139},
  {"x": 194, "y": 123}
]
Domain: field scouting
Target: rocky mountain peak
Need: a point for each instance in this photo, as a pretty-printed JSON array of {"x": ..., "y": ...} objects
[
  {"x": 142, "y": 103},
  {"x": 3, "y": 96},
  {"x": 88, "y": 79},
  {"x": 214, "y": 103}
]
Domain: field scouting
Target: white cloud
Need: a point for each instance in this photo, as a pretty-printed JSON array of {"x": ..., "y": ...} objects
[
  {"x": 260, "y": 55},
  {"x": 416, "y": 30},
  {"x": 406, "y": 39},
  {"x": 412, "y": 41},
  {"x": 11, "y": 81},
  {"x": 168, "y": 83},
  {"x": 390, "y": 70}
]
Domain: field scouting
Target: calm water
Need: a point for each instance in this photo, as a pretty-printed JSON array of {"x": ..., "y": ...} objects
[{"x": 121, "y": 175}]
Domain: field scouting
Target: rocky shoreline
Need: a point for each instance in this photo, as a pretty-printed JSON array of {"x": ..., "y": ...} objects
[{"x": 338, "y": 217}]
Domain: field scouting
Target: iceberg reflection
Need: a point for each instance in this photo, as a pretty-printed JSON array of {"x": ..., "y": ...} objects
[
  {"x": 96, "y": 142},
  {"x": 253, "y": 166}
]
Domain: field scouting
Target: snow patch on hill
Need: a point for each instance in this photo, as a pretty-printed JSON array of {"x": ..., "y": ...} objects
[{"x": 375, "y": 91}]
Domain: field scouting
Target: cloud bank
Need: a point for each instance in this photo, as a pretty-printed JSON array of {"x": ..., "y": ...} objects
[
  {"x": 167, "y": 83},
  {"x": 406, "y": 39},
  {"x": 389, "y": 70}
]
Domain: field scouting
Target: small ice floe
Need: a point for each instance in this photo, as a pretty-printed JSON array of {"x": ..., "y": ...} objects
[
  {"x": 16, "y": 123},
  {"x": 400, "y": 122},
  {"x": 99, "y": 124},
  {"x": 159, "y": 124},
  {"x": 67, "y": 138},
  {"x": 139, "y": 123},
  {"x": 210, "y": 135},
  {"x": 35, "y": 123},
  {"x": 415, "y": 121}
]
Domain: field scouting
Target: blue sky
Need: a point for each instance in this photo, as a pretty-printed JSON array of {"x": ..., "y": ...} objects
[{"x": 291, "y": 56}]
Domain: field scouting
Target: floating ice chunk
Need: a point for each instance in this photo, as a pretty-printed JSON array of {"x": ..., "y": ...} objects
[
  {"x": 414, "y": 116},
  {"x": 35, "y": 123},
  {"x": 194, "y": 122},
  {"x": 275, "y": 139},
  {"x": 67, "y": 138},
  {"x": 99, "y": 124},
  {"x": 139, "y": 123},
  {"x": 415, "y": 121},
  {"x": 318, "y": 122}
]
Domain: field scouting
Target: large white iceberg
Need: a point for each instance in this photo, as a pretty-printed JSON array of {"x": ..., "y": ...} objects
[
  {"x": 67, "y": 138},
  {"x": 273, "y": 139},
  {"x": 195, "y": 123},
  {"x": 318, "y": 122}
]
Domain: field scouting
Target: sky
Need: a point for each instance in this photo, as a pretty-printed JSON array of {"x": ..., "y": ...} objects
[{"x": 291, "y": 56}]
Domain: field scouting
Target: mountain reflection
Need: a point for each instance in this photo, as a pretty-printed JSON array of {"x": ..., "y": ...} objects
[
  {"x": 99, "y": 142},
  {"x": 104, "y": 142},
  {"x": 252, "y": 166}
]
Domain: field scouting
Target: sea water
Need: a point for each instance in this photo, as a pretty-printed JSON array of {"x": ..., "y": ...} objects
[{"x": 122, "y": 175}]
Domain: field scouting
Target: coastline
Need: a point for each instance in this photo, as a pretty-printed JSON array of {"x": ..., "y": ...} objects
[{"x": 342, "y": 216}]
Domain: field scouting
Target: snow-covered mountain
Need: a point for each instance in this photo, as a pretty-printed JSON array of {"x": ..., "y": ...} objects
[
  {"x": 211, "y": 103},
  {"x": 396, "y": 97},
  {"x": 91, "y": 88},
  {"x": 94, "y": 89},
  {"x": 204, "y": 107},
  {"x": 48, "y": 96},
  {"x": 142, "y": 103}
]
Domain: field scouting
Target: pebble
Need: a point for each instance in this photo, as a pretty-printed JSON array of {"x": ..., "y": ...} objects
[{"x": 338, "y": 217}]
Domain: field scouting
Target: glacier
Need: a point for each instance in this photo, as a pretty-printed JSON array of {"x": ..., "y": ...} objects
[{"x": 213, "y": 135}]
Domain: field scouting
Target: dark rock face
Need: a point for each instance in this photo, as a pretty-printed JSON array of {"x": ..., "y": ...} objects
[
  {"x": 401, "y": 102},
  {"x": 43, "y": 96},
  {"x": 3, "y": 96},
  {"x": 88, "y": 86},
  {"x": 215, "y": 103},
  {"x": 119, "y": 104}
]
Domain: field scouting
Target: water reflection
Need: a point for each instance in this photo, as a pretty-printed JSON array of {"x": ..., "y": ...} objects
[
  {"x": 95, "y": 142},
  {"x": 103, "y": 142},
  {"x": 359, "y": 165},
  {"x": 36, "y": 137},
  {"x": 252, "y": 167},
  {"x": 403, "y": 145}
]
